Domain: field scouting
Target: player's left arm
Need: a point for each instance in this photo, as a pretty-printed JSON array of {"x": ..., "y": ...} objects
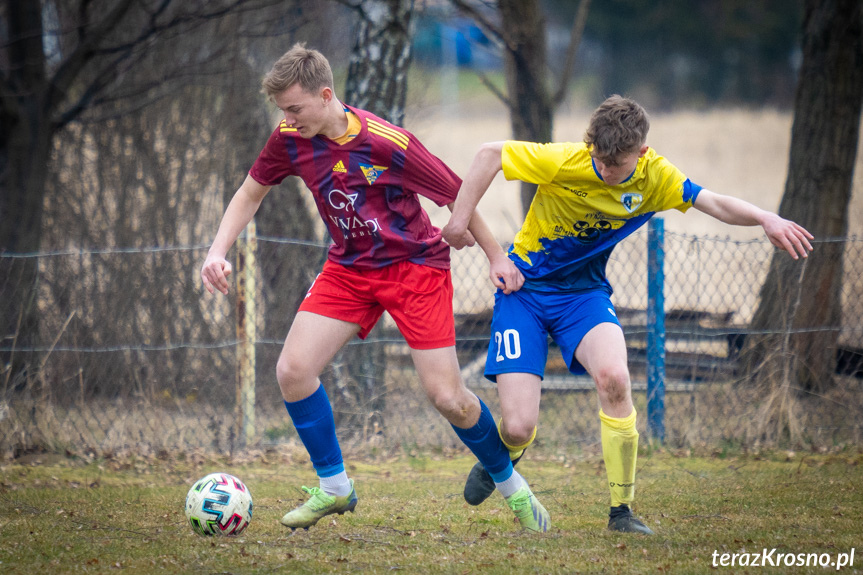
[
  {"x": 503, "y": 272},
  {"x": 784, "y": 234}
]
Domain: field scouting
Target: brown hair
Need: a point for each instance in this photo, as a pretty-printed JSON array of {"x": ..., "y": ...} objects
[
  {"x": 299, "y": 65},
  {"x": 618, "y": 126}
]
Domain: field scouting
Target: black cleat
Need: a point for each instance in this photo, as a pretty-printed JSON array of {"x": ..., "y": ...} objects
[
  {"x": 621, "y": 519},
  {"x": 479, "y": 484}
]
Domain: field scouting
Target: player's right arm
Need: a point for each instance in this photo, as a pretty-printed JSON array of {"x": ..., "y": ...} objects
[
  {"x": 484, "y": 167},
  {"x": 239, "y": 213}
]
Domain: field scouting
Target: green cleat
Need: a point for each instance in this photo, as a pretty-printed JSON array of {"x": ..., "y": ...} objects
[
  {"x": 319, "y": 505},
  {"x": 621, "y": 519},
  {"x": 529, "y": 511}
]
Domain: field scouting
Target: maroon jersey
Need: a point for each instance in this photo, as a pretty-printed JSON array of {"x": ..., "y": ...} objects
[{"x": 367, "y": 190}]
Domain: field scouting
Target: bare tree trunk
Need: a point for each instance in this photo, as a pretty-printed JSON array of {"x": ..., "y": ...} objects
[
  {"x": 530, "y": 96},
  {"x": 805, "y": 296},
  {"x": 525, "y": 65},
  {"x": 377, "y": 82},
  {"x": 25, "y": 140},
  {"x": 380, "y": 59}
]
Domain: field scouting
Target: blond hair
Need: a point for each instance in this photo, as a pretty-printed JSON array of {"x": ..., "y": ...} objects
[
  {"x": 617, "y": 127},
  {"x": 299, "y": 65}
]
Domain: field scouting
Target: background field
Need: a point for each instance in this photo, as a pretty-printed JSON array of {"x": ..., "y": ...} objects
[{"x": 125, "y": 514}]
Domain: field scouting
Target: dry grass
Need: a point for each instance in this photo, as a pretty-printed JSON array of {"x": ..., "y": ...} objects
[
  {"x": 125, "y": 514},
  {"x": 701, "y": 417}
]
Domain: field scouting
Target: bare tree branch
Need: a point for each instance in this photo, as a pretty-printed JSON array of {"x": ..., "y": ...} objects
[
  {"x": 87, "y": 43},
  {"x": 575, "y": 36},
  {"x": 495, "y": 90},
  {"x": 89, "y": 48},
  {"x": 490, "y": 28},
  {"x": 496, "y": 35}
]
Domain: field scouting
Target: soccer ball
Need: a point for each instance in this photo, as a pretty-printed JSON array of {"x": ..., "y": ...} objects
[{"x": 219, "y": 504}]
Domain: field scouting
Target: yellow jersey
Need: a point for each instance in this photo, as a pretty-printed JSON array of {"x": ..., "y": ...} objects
[{"x": 576, "y": 219}]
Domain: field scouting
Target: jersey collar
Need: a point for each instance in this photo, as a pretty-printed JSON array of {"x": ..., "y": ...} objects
[{"x": 629, "y": 177}]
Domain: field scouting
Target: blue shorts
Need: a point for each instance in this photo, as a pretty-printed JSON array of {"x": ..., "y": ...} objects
[{"x": 523, "y": 320}]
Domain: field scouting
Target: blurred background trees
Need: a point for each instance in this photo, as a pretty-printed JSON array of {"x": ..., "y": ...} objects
[
  {"x": 672, "y": 52},
  {"x": 533, "y": 90},
  {"x": 117, "y": 116}
]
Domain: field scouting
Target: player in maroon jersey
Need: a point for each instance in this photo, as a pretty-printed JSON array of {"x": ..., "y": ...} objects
[{"x": 366, "y": 176}]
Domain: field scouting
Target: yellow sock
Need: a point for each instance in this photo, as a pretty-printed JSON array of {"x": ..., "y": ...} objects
[
  {"x": 515, "y": 451},
  {"x": 620, "y": 451}
]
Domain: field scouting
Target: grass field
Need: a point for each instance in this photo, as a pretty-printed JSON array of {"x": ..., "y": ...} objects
[{"x": 108, "y": 516}]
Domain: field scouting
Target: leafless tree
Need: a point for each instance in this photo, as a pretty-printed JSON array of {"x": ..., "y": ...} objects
[
  {"x": 380, "y": 58},
  {"x": 377, "y": 82},
  {"x": 64, "y": 63},
  {"x": 801, "y": 300},
  {"x": 530, "y": 97}
]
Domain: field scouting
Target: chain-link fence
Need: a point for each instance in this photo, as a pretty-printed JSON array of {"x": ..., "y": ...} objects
[{"x": 130, "y": 354}]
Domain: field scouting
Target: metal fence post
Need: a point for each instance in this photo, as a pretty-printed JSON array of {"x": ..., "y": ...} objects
[
  {"x": 656, "y": 328},
  {"x": 246, "y": 334}
]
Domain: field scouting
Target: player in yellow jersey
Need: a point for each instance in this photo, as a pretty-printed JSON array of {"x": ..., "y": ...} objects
[{"x": 590, "y": 196}]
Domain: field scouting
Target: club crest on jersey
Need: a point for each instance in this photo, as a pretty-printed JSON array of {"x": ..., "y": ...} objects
[
  {"x": 372, "y": 172},
  {"x": 631, "y": 201}
]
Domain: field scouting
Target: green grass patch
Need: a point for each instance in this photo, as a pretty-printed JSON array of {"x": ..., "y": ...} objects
[{"x": 70, "y": 516}]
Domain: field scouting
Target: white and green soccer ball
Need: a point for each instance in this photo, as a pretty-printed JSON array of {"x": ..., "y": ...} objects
[{"x": 219, "y": 504}]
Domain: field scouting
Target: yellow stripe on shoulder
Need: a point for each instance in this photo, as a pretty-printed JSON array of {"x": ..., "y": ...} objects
[
  {"x": 392, "y": 135},
  {"x": 389, "y": 130}
]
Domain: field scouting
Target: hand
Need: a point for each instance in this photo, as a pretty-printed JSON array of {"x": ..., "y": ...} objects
[
  {"x": 457, "y": 236},
  {"x": 505, "y": 275},
  {"x": 788, "y": 235},
  {"x": 215, "y": 274}
]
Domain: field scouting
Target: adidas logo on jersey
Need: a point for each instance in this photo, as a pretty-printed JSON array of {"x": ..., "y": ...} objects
[{"x": 340, "y": 167}]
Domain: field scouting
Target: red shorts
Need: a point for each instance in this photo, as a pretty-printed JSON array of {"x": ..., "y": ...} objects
[{"x": 419, "y": 299}]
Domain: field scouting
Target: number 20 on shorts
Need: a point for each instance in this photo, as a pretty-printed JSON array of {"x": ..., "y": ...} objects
[{"x": 509, "y": 343}]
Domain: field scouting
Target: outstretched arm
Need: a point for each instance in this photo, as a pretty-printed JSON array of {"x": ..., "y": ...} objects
[
  {"x": 484, "y": 167},
  {"x": 503, "y": 273},
  {"x": 782, "y": 233},
  {"x": 467, "y": 223},
  {"x": 239, "y": 213}
]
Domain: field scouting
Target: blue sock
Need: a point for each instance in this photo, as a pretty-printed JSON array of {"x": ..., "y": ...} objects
[
  {"x": 484, "y": 441},
  {"x": 313, "y": 418}
]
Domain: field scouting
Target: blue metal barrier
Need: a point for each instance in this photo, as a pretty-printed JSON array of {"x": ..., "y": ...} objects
[{"x": 656, "y": 328}]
